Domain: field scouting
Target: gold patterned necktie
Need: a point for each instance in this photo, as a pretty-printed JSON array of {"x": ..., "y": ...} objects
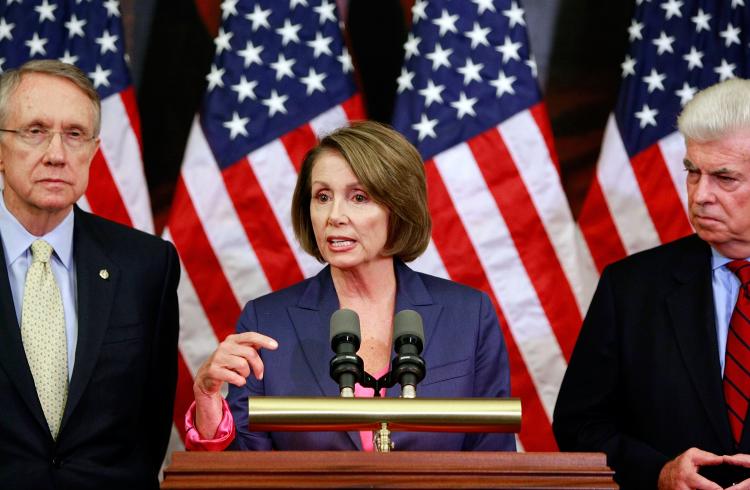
[{"x": 43, "y": 333}]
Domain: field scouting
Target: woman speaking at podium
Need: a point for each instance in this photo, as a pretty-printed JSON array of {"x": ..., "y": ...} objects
[{"x": 360, "y": 205}]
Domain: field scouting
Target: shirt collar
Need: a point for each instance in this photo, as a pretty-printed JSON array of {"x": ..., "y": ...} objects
[
  {"x": 718, "y": 260},
  {"x": 17, "y": 240}
]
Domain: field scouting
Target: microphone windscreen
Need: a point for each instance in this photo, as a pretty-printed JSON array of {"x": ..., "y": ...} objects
[
  {"x": 344, "y": 321},
  {"x": 408, "y": 322}
]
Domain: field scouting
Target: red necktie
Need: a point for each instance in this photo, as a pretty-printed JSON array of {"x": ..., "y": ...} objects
[{"x": 737, "y": 362}]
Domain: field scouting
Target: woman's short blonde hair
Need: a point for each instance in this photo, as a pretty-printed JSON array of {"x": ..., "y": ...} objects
[{"x": 391, "y": 171}]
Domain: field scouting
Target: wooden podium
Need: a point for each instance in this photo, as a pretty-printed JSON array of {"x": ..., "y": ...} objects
[{"x": 402, "y": 470}]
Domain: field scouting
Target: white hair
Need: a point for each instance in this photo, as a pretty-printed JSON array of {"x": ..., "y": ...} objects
[{"x": 717, "y": 111}]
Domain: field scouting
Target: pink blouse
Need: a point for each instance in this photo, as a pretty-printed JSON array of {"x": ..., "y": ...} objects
[{"x": 362, "y": 392}]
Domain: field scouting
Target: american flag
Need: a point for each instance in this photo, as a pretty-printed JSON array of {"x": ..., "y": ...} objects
[
  {"x": 89, "y": 35},
  {"x": 638, "y": 198},
  {"x": 281, "y": 77},
  {"x": 470, "y": 101}
]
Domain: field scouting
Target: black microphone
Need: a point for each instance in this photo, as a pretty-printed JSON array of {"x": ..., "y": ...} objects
[
  {"x": 408, "y": 367},
  {"x": 346, "y": 366}
]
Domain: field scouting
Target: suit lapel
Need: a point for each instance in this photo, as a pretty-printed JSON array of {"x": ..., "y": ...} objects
[
  {"x": 12, "y": 354},
  {"x": 311, "y": 319},
  {"x": 691, "y": 309},
  {"x": 412, "y": 294},
  {"x": 95, "y": 296}
]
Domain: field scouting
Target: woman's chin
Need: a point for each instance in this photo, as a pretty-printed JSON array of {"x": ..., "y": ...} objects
[{"x": 343, "y": 260}]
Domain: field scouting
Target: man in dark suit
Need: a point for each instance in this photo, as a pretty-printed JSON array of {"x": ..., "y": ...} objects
[
  {"x": 655, "y": 376},
  {"x": 88, "y": 308}
]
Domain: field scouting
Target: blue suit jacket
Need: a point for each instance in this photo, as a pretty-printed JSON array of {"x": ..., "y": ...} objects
[{"x": 464, "y": 352}]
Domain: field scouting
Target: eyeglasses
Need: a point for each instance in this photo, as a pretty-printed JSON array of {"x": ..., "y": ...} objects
[{"x": 35, "y": 136}]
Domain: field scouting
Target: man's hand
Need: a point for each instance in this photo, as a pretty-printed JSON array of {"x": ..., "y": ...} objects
[
  {"x": 739, "y": 460},
  {"x": 682, "y": 472}
]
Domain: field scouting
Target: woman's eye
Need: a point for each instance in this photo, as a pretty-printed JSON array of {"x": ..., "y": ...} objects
[
  {"x": 360, "y": 198},
  {"x": 322, "y": 197}
]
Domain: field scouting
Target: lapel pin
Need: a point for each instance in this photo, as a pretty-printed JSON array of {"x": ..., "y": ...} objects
[{"x": 104, "y": 274}]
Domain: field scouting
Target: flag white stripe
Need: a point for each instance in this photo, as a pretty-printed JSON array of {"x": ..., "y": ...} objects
[
  {"x": 587, "y": 269},
  {"x": 277, "y": 177},
  {"x": 121, "y": 151},
  {"x": 217, "y": 214},
  {"x": 328, "y": 121},
  {"x": 83, "y": 203},
  {"x": 673, "y": 150},
  {"x": 197, "y": 339},
  {"x": 430, "y": 262},
  {"x": 507, "y": 276},
  {"x": 529, "y": 151},
  {"x": 622, "y": 193}
]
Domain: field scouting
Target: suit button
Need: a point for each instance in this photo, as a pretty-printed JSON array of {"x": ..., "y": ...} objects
[{"x": 56, "y": 463}]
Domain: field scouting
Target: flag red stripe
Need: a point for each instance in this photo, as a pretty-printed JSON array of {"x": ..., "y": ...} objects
[
  {"x": 261, "y": 226},
  {"x": 202, "y": 266},
  {"x": 131, "y": 107},
  {"x": 663, "y": 202},
  {"x": 462, "y": 264},
  {"x": 541, "y": 118},
  {"x": 353, "y": 108},
  {"x": 184, "y": 395},
  {"x": 102, "y": 193},
  {"x": 599, "y": 228},
  {"x": 297, "y": 143},
  {"x": 529, "y": 236}
]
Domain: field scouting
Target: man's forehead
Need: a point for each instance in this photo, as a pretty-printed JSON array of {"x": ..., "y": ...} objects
[
  {"x": 731, "y": 148},
  {"x": 45, "y": 83},
  {"x": 41, "y": 94}
]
